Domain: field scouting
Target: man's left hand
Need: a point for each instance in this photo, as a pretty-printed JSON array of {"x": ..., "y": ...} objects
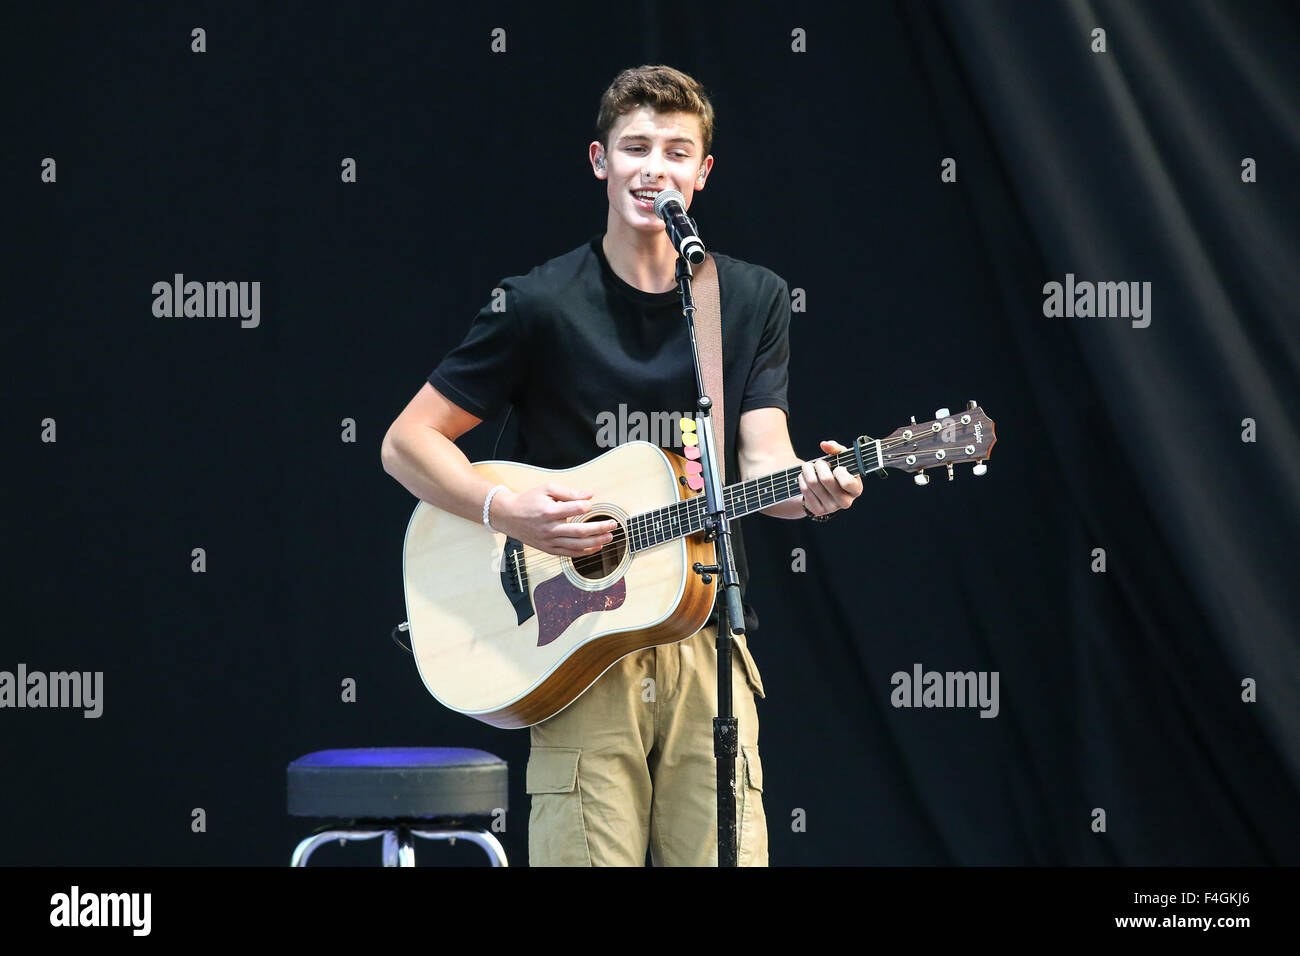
[{"x": 826, "y": 491}]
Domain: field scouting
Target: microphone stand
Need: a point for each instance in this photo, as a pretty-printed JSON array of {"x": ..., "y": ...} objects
[{"x": 731, "y": 617}]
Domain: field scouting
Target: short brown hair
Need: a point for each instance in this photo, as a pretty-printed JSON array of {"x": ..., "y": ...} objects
[{"x": 661, "y": 88}]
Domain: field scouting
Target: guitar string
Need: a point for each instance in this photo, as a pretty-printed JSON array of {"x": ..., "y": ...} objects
[
  {"x": 692, "y": 513},
  {"x": 555, "y": 562},
  {"x": 647, "y": 527},
  {"x": 552, "y": 562}
]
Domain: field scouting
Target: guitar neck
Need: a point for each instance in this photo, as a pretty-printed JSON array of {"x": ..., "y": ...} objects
[{"x": 652, "y": 528}]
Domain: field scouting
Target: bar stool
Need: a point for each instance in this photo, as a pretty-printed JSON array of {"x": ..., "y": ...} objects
[{"x": 399, "y": 793}]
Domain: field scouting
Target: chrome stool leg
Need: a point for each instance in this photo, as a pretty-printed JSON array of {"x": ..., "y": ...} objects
[
  {"x": 303, "y": 851},
  {"x": 482, "y": 838},
  {"x": 398, "y": 849},
  {"x": 399, "y": 846}
]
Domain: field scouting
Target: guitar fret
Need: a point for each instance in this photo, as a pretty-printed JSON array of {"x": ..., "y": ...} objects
[{"x": 743, "y": 498}]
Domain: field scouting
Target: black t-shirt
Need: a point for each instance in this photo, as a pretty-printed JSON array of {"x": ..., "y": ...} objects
[{"x": 589, "y": 362}]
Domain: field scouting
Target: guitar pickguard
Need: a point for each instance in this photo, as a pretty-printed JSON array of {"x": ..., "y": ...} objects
[{"x": 560, "y": 603}]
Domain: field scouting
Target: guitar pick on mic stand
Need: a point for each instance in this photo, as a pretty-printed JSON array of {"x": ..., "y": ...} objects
[{"x": 670, "y": 206}]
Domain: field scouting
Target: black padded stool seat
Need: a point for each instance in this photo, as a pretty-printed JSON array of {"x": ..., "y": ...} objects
[
  {"x": 398, "y": 782},
  {"x": 398, "y": 793}
]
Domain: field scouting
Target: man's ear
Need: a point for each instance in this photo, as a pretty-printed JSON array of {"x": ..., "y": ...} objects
[
  {"x": 703, "y": 174},
  {"x": 596, "y": 153}
]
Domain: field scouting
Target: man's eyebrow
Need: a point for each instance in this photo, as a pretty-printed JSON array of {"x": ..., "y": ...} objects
[{"x": 629, "y": 137}]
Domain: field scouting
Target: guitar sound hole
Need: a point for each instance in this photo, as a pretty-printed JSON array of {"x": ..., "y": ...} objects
[{"x": 601, "y": 563}]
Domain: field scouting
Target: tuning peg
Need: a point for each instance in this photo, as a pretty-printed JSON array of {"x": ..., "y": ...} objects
[
  {"x": 979, "y": 469},
  {"x": 971, "y": 405},
  {"x": 922, "y": 478},
  {"x": 951, "y": 475},
  {"x": 941, "y": 413},
  {"x": 913, "y": 419}
]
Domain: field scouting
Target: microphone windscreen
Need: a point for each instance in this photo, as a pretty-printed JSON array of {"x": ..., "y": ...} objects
[{"x": 667, "y": 196}]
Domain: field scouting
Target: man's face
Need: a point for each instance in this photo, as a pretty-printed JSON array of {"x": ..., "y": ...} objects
[{"x": 648, "y": 153}]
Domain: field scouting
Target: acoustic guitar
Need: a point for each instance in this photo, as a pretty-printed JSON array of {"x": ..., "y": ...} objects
[{"x": 511, "y": 635}]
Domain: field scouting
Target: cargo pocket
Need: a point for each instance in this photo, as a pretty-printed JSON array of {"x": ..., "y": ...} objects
[
  {"x": 753, "y": 821},
  {"x": 752, "y": 677},
  {"x": 557, "y": 835}
]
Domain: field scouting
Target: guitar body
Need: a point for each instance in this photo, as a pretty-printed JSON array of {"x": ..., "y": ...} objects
[{"x": 511, "y": 635}]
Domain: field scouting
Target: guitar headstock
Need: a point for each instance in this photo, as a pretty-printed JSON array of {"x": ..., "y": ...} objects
[{"x": 943, "y": 442}]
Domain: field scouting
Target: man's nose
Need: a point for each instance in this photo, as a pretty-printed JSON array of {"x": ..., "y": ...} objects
[{"x": 653, "y": 168}]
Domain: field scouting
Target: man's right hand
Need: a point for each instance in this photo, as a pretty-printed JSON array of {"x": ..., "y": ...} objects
[{"x": 539, "y": 518}]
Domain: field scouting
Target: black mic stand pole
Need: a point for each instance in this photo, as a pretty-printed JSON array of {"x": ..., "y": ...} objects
[{"x": 731, "y": 617}]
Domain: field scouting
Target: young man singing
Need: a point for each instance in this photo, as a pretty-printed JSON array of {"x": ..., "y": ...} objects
[{"x": 589, "y": 332}]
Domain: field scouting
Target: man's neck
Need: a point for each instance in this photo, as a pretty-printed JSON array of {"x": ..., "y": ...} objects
[{"x": 645, "y": 261}]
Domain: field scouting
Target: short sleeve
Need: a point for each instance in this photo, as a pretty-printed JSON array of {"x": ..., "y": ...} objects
[
  {"x": 485, "y": 371},
  {"x": 769, "y": 377}
]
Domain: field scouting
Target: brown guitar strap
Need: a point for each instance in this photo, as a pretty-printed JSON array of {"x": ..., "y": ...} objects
[{"x": 708, "y": 338}]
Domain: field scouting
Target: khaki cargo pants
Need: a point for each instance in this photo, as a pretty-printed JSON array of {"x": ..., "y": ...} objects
[{"x": 630, "y": 764}]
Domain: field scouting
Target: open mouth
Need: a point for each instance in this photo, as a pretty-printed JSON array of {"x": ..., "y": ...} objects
[{"x": 645, "y": 198}]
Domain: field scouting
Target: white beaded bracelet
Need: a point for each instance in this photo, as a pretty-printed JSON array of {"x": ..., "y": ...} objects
[{"x": 488, "y": 503}]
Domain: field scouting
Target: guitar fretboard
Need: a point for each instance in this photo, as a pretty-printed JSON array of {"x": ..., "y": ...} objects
[{"x": 651, "y": 528}]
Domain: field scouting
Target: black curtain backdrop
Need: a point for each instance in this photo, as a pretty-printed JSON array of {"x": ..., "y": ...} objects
[{"x": 1120, "y": 691}]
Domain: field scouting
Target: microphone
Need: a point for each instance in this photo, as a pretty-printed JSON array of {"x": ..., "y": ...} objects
[{"x": 670, "y": 206}]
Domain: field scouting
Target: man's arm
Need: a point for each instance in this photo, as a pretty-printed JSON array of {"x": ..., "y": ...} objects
[
  {"x": 419, "y": 450},
  {"x": 765, "y": 447}
]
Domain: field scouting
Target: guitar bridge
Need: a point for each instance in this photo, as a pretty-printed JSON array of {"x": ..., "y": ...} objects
[{"x": 514, "y": 579}]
